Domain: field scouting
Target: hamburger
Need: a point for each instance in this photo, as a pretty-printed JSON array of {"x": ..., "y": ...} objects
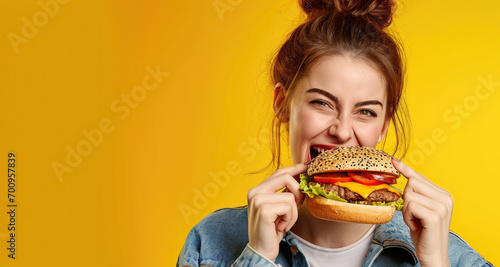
[{"x": 352, "y": 184}]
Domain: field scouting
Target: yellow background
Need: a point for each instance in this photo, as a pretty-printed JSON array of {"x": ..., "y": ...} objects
[{"x": 189, "y": 144}]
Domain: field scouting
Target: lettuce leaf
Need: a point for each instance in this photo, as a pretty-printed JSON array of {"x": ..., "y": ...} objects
[{"x": 313, "y": 190}]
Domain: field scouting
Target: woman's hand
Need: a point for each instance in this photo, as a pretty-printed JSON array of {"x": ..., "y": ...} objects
[
  {"x": 271, "y": 214},
  {"x": 427, "y": 212}
]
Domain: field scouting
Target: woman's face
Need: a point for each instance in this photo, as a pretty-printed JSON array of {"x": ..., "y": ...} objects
[{"x": 341, "y": 102}]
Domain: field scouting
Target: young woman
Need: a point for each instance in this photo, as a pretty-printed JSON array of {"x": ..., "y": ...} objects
[{"x": 338, "y": 82}]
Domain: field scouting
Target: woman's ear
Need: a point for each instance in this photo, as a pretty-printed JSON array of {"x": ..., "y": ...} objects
[
  {"x": 384, "y": 130},
  {"x": 279, "y": 101}
]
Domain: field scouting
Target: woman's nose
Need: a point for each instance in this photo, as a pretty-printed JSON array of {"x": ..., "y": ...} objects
[{"x": 341, "y": 129}]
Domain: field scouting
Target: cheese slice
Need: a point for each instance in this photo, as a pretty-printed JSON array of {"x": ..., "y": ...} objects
[{"x": 366, "y": 190}]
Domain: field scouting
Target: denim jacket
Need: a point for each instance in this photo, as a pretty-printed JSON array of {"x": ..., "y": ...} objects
[{"x": 221, "y": 239}]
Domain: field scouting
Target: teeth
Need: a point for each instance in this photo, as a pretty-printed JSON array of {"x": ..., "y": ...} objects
[
  {"x": 319, "y": 149},
  {"x": 315, "y": 151}
]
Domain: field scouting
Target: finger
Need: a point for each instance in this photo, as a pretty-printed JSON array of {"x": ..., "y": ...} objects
[
  {"x": 428, "y": 218},
  {"x": 281, "y": 215},
  {"x": 294, "y": 188},
  {"x": 293, "y": 170},
  {"x": 438, "y": 207},
  {"x": 300, "y": 199},
  {"x": 267, "y": 205},
  {"x": 410, "y": 173},
  {"x": 282, "y": 222},
  {"x": 418, "y": 186},
  {"x": 405, "y": 170},
  {"x": 431, "y": 191},
  {"x": 299, "y": 196},
  {"x": 274, "y": 184},
  {"x": 408, "y": 217}
]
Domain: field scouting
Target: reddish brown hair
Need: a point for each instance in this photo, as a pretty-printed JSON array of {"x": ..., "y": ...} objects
[{"x": 355, "y": 28}]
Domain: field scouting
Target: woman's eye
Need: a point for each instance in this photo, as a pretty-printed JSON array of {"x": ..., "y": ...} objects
[
  {"x": 320, "y": 102},
  {"x": 367, "y": 112}
]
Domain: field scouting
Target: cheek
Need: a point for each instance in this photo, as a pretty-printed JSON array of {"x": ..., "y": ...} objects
[
  {"x": 368, "y": 134},
  {"x": 306, "y": 124},
  {"x": 309, "y": 122}
]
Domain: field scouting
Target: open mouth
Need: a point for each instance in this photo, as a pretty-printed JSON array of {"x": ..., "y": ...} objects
[{"x": 314, "y": 151}]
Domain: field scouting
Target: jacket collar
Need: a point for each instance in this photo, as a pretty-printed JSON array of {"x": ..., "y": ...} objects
[{"x": 395, "y": 234}]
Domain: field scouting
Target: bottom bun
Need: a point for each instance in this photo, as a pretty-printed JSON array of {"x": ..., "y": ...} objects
[{"x": 327, "y": 209}]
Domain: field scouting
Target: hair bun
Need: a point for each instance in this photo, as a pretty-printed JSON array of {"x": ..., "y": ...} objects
[{"x": 378, "y": 12}]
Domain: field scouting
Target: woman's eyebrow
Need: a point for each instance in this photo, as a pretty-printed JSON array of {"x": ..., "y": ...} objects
[
  {"x": 323, "y": 92},
  {"x": 369, "y": 102},
  {"x": 336, "y": 100}
]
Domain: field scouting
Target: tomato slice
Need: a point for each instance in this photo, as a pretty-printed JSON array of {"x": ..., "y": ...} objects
[
  {"x": 362, "y": 178},
  {"x": 390, "y": 179},
  {"x": 339, "y": 177}
]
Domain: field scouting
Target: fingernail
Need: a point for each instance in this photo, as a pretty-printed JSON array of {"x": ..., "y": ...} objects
[{"x": 396, "y": 160}]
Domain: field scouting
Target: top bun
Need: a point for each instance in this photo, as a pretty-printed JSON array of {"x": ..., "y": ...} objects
[
  {"x": 378, "y": 12},
  {"x": 353, "y": 158}
]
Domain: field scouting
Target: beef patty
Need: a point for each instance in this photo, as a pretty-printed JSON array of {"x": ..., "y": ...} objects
[{"x": 381, "y": 195}]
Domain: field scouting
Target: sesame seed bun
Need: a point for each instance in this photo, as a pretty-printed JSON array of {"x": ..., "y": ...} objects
[
  {"x": 327, "y": 209},
  {"x": 352, "y": 158}
]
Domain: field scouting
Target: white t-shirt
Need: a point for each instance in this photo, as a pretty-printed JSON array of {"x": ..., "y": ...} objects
[{"x": 352, "y": 255}]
